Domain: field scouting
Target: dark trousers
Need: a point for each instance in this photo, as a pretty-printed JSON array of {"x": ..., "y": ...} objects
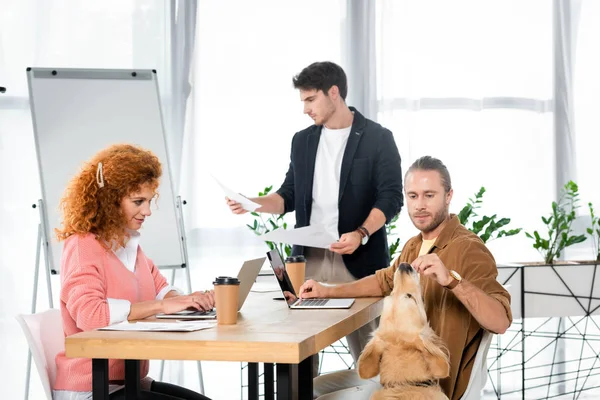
[{"x": 163, "y": 391}]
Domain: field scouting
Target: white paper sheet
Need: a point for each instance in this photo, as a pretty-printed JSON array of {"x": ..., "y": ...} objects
[
  {"x": 179, "y": 326},
  {"x": 265, "y": 287},
  {"x": 311, "y": 236},
  {"x": 246, "y": 203}
]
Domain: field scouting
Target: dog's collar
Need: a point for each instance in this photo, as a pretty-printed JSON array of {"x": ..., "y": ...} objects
[{"x": 428, "y": 383}]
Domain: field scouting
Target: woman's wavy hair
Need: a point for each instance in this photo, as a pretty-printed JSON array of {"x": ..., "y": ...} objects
[{"x": 92, "y": 201}]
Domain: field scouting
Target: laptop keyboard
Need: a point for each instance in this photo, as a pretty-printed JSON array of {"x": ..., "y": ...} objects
[
  {"x": 211, "y": 312},
  {"x": 312, "y": 302},
  {"x": 189, "y": 313}
]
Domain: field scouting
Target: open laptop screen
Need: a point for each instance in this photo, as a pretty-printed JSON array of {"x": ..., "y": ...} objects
[{"x": 282, "y": 277}]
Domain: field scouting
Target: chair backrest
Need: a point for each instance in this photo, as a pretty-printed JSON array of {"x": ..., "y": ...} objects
[
  {"x": 478, "y": 376},
  {"x": 479, "y": 373},
  {"x": 45, "y": 335}
]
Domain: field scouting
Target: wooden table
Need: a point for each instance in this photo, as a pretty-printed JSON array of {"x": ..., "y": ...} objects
[{"x": 267, "y": 331}]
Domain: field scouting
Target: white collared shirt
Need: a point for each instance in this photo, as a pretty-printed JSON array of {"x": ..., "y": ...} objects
[{"x": 119, "y": 309}]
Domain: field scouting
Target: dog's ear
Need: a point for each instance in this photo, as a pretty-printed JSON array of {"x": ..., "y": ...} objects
[
  {"x": 438, "y": 362},
  {"x": 368, "y": 362}
]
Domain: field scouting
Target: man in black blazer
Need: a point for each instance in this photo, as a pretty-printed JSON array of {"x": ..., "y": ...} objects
[{"x": 344, "y": 174}]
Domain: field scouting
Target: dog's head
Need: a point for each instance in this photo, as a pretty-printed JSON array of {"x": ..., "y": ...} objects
[
  {"x": 413, "y": 352},
  {"x": 405, "y": 307}
]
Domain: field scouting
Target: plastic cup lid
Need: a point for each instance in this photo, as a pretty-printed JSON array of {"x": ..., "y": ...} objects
[
  {"x": 293, "y": 259},
  {"x": 226, "y": 280}
]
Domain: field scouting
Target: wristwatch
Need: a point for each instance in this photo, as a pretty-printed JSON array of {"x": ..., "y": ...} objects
[
  {"x": 456, "y": 279},
  {"x": 364, "y": 234}
]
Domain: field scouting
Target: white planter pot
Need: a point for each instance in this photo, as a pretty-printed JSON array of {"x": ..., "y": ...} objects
[{"x": 558, "y": 290}]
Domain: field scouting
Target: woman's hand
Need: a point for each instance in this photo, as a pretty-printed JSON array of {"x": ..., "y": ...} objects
[
  {"x": 207, "y": 297},
  {"x": 196, "y": 301}
]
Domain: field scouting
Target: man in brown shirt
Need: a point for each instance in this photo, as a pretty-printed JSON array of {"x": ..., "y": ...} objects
[{"x": 461, "y": 294}]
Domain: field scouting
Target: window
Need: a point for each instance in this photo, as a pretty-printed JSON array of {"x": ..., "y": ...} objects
[{"x": 470, "y": 83}]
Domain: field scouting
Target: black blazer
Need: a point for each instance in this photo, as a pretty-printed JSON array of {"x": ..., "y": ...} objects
[{"x": 371, "y": 177}]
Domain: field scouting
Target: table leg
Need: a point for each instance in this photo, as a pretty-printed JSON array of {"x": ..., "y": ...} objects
[
  {"x": 269, "y": 379},
  {"x": 132, "y": 379},
  {"x": 287, "y": 382},
  {"x": 99, "y": 379},
  {"x": 305, "y": 379},
  {"x": 252, "y": 381}
]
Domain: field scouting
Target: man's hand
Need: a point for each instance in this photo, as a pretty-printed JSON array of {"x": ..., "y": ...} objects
[
  {"x": 311, "y": 290},
  {"x": 431, "y": 265},
  {"x": 235, "y": 207},
  {"x": 347, "y": 244}
]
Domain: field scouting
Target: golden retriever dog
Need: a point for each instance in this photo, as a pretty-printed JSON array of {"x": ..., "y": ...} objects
[{"x": 407, "y": 354}]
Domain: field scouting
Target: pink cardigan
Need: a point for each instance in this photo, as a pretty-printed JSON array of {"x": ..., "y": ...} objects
[{"x": 89, "y": 275}]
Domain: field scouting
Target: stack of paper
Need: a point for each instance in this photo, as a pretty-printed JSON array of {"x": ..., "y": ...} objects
[
  {"x": 178, "y": 326},
  {"x": 265, "y": 287}
]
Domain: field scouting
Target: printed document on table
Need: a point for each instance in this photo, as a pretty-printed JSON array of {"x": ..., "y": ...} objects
[
  {"x": 311, "y": 236},
  {"x": 178, "y": 326},
  {"x": 265, "y": 287},
  {"x": 246, "y": 203}
]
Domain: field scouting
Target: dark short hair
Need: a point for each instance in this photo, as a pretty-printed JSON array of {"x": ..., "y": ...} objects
[
  {"x": 428, "y": 163},
  {"x": 322, "y": 76}
]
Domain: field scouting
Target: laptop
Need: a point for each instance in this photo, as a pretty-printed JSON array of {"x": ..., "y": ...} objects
[
  {"x": 290, "y": 296},
  {"x": 246, "y": 276}
]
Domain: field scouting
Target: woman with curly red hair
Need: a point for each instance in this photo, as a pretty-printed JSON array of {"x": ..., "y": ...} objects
[{"x": 105, "y": 276}]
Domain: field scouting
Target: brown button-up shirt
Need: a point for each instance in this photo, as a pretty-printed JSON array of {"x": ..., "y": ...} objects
[{"x": 463, "y": 251}]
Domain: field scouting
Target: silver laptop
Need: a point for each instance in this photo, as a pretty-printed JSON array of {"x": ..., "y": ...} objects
[
  {"x": 290, "y": 296},
  {"x": 247, "y": 277}
]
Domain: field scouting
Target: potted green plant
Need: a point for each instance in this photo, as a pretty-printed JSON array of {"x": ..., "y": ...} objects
[
  {"x": 559, "y": 225},
  {"x": 390, "y": 231},
  {"x": 487, "y": 227},
  {"x": 556, "y": 288}
]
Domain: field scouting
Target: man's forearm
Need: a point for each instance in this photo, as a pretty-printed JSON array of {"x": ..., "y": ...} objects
[
  {"x": 374, "y": 221},
  {"x": 365, "y": 287},
  {"x": 271, "y": 204},
  {"x": 488, "y": 311}
]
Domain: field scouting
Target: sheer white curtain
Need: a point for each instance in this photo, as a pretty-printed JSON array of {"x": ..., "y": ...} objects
[
  {"x": 182, "y": 37},
  {"x": 470, "y": 82},
  {"x": 60, "y": 33},
  {"x": 586, "y": 90}
]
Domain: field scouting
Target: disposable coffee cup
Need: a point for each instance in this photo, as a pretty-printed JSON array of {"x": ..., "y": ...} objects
[
  {"x": 296, "y": 269},
  {"x": 226, "y": 298}
]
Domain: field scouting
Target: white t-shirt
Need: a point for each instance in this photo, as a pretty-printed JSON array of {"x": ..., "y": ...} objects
[{"x": 326, "y": 180}]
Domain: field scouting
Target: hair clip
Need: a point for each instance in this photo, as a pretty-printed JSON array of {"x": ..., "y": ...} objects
[{"x": 99, "y": 176}]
